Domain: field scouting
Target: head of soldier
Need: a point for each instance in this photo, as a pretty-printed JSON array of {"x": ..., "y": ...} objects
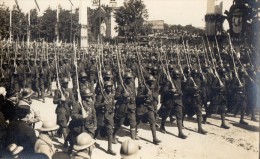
[
  {"x": 19, "y": 61},
  {"x": 194, "y": 73},
  {"x": 38, "y": 61},
  {"x": 26, "y": 94},
  {"x": 83, "y": 77},
  {"x": 108, "y": 86},
  {"x": 31, "y": 62},
  {"x": 175, "y": 74},
  {"x": 64, "y": 82},
  {"x": 155, "y": 70},
  {"x": 150, "y": 80},
  {"x": 86, "y": 94},
  {"x": 107, "y": 75},
  {"x": 128, "y": 77}
]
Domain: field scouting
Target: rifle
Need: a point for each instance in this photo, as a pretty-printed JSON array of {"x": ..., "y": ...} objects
[{"x": 84, "y": 113}]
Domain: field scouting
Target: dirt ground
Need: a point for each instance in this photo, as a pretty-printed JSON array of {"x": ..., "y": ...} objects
[{"x": 238, "y": 142}]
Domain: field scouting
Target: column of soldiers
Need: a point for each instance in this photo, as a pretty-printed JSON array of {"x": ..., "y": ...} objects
[{"x": 183, "y": 80}]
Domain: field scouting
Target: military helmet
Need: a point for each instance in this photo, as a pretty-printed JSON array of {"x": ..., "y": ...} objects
[
  {"x": 108, "y": 83},
  {"x": 86, "y": 92},
  {"x": 64, "y": 80},
  {"x": 83, "y": 74},
  {"x": 222, "y": 70},
  {"x": 175, "y": 72},
  {"x": 150, "y": 78},
  {"x": 83, "y": 141},
  {"x": 108, "y": 74},
  {"x": 128, "y": 75},
  {"x": 129, "y": 148}
]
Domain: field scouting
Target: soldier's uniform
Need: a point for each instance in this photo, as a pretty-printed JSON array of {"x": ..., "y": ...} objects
[
  {"x": 172, "y": 102},
  {"x": 64, "y": 105},
  {"x": 218, "y": 98},
  {"x": 147, "y": 98},
  {"x": 104, "y": 106},
  {"x": 193, "y": 105},
  {"x": 82, "y": 121},
  {"x": 126, "y": 105}
]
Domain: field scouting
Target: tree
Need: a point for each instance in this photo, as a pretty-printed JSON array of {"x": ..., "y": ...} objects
[
  {"x": 47, "y": 25},
  {"x": 130, "y": 18}
]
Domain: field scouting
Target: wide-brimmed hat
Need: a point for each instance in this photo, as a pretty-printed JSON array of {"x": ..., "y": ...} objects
[
  {"x": 49, "y": 126},
  {"x": 83, "y": 141},
  {"x": 14, "y": 149}
]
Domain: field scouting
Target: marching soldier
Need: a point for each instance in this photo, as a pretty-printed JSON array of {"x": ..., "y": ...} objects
[
  {"x": 172, "y": 102},
  {"x": 104, "y": 105},
  {"x": 125, "y": 105},
  {"x": 218, "y": 98},
  {"x": 147, "y": 98},
  {"x": 192, "y": 89},
  {"x": 82, "y": 121},
  {"x": 64, "y": 99}
]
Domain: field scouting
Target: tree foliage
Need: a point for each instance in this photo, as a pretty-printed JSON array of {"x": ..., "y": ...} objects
[{"x": 130, "y": 18}]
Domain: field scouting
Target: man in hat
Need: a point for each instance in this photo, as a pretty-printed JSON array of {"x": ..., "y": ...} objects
[
  {"x": 44, "y": 143},
  {"x": 19, "y": 132},
  {"x": 104, "y": 105},
  {"x": 83, "y": 118},
  {"x": 147, "y": 98},
  {"x": 83, "y": 146},
  {"x": 64, "y": 99},
  {"x": 172, "y": 102},
  {"x": 25, "y": 101},
  {"x": 125, "y": 105},
  {"x": 35, "y": 77}
]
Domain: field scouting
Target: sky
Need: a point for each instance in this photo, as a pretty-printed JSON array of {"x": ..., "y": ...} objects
[{"x": 183, "y": 12}]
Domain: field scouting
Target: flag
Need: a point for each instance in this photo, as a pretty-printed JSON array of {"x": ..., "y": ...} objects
[{"x": 37, "y": 5}]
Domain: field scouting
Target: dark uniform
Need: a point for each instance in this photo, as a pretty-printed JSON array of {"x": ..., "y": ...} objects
[
  {"x": 64, "y": 105},
  {"x": 172, "y": 102},
  {"x": 126, "y": 105},
  {"x": 147, "y": 98},
  {"x": 82, "y": 121},
  {"x": 104, "y": 106}
]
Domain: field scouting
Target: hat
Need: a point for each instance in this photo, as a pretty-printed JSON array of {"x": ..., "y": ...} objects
[
  {"x": 26, "y": 92},
  {"x": 14, "y": 149},
  {"x": 49, "y": 126},
  {"x": 2, "y": 91},
  {"x": 83, "y": 141},
  {"x": 129, "y": 149},
  {"x": 86, "y": 92},
  {"x": 108, "y": 83}
]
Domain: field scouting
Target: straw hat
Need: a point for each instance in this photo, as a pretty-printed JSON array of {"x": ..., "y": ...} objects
[
  {"x": 83, "y": 141},
  {"x": 49, "y": 126}
]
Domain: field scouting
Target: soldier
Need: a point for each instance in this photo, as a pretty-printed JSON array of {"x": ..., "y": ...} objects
[
  {"x": 65, "y": 100},
  {"x": 147, "y": 98},
  {"x": 43, "y": 74},
  {"x": 82, "y": 120},
  {"x": 218, "y": 98},
  {"x": 192, "y": 91},
  {"x": 239, "y": 97},
  {"x": 34, "y": 76},
  {"x": 172, "y": 102},
  {"x": 125, "y": 105},
  {"x": 104, "y": 105}
]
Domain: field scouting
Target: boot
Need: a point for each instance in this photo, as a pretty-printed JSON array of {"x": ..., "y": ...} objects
[
  {"x": 223, "y": 125},
  {"x": 96, "y": 133},
  {"x": 181, "y": 134},
  {"x": 200, "y": 130},
  {"x": 253, "y": 118},
  {"x": 114, "y": 139},
  {"x": 133, "y": 134},
  {"x": 204, "y": 118},
  {"x": 153, "y": 129},
  {"x": 109, "y": 150},
  {"x": 162, "y": 127},
  {"x": 136, "y": 133},
  {"x": 65, "y": 135},
  {"x": 242, "y": 118}
]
